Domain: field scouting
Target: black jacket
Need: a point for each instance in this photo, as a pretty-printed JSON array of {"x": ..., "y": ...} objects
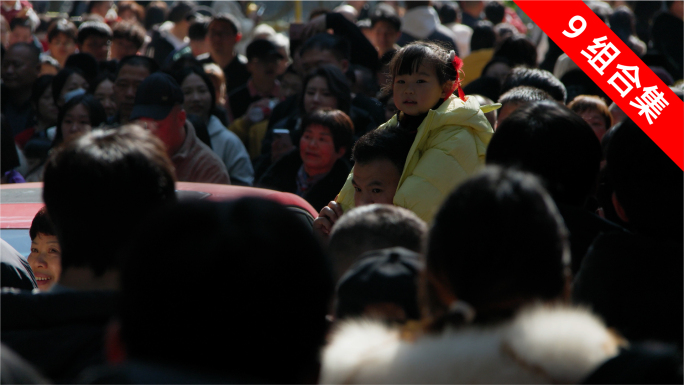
[
  {"x": 282, "y": 176},
  {"x": 635, "y": 284},
  {"x": 59, "y": 333}
]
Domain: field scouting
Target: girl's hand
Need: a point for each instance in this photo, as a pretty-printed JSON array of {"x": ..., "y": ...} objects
[{"x": 327, "y": 218}]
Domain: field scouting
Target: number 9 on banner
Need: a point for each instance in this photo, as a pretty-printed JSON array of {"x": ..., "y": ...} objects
[{"x": 575, "y": 31}]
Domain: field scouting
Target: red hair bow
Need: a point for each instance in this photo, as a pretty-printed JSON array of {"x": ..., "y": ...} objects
[{"x": 457, "y": 63}]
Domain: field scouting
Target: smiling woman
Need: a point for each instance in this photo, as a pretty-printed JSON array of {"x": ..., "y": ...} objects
[
  {"x": 317, "y": 171},
  {"x": 46, "y": 254}
]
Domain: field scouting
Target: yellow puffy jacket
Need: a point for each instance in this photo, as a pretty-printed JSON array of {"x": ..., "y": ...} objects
[{"x": 449, "y": 147}]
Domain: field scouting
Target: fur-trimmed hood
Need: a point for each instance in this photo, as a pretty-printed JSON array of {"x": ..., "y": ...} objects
[{"x": 542, "y": 344}]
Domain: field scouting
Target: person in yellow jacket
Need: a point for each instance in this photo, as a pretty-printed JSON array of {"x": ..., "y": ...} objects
[{"x": 451, "y": 133}]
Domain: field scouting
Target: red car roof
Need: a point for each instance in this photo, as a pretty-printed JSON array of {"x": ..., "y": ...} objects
[{"x": 19, "y": 203}]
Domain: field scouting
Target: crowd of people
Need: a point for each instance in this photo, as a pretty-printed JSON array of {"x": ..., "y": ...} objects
[{"x": 486, "y": 213}]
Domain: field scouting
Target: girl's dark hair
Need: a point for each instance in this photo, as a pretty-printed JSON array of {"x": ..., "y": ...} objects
[
  {"x": 528, "y": 260},
  {"x": 199, "y": 71},
  {"x": 41, "y": 224},
  {"x": 60, "y": 80},
  {"x": 340, "y": 125},
  {"x": 99, "y": 79},
  {"x": 95, "y": 111},
  {"x": 337, "y": 85},
  {"x": 408, "y": 59},
  {"x": 39, "y": 87}
]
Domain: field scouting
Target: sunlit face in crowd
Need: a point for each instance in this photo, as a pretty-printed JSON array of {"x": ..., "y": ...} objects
[
  {"x": 73, "y": 82},
  {"x": 222, "y": 38},
  {"x": 315, "y": 58},
  {"x": 317, "y": 149},
  {"x": 104, "y": 93},
  {"x": 121, "y": 48},
  {"x": 125, "y": 87},
  {"x": 45, "y": 260},
  {"x": 76, "y": 122},
  {"x": 196, "y": 96},
  {"x": 417, "y": 93},
  {"x": 169, "y": 130},
  {"x": 19, "y": 69},
  {"x": 61, "y": 46},
  {"x": 47, "y": 109},
  {"x": 375, "y": 182},
  {"x": 317, "y": 95},
  {"x": 596, "y": 122},
  {"x": 98, "y": 46}
]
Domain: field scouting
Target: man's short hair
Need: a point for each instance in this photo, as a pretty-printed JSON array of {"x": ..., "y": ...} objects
[
  {"x": 483, "y": 36},
  {"x": 98, "y": 187},
  {"x": 179, "y": 10},
  {"x": 265, "y": 296},
  {"x": 498, "y": 240},
  {"x": 647, "y": 183},
  {"x": 93, "y": 28},
  {"x": 62, "y": 26},
  {"x": 138, "y": 61},
  {"x": 556, "y": 144},
  {"x": 494, "y": 11},
  {"x": 198, "y": 30},
  {"x": 533, "y": 77},
  {"x": 391, "y": 143},
  {"x": 337, "y": 45},
  {"x": 374, "y": 227},
  {"x": 524, "y": 94},
  {"x": 449, "y": 12},
  {"x": 23, "y": 22},
  {"x": 33, "y": 49},
  {"x": 228, "y": 18},
  {"x": 386, "y": 14},
  {"x": 132, "y": 32}
]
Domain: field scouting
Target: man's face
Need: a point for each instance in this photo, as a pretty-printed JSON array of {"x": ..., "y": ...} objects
[
  {"x": 265, "y": 70},
  {"x": 170, "y": 130},
  {"x": 20, "y": 34},
  {"x": 122, "y": 48},
  {"x": 375, "y": 182},
  {"x": 222, "y": 38},
  {"x": 125, "y": 87},
  {"x": 19, "y": 68},
  {"x": 384, "y": 36},
  {"x": 314, "y": 58},
  {"x": 98, "y": 46}
]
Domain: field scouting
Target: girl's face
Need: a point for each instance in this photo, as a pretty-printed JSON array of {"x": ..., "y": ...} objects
[
  {"x": 76, "y": 122},
  {"x": 47, "y": 110},
  {"x": 317, "y": 95},
  {"x": 417, "y": 93},
  {"x": 61, "y": 47},
  {"x": 317, "y": 149},
  {"x": 197, "y": 96},
  {"x": 45, "y": 260},
  {"x": 73, "y": 82},
  {"x": 104, "y": 93},
  {"x": 595, "y": 121}
]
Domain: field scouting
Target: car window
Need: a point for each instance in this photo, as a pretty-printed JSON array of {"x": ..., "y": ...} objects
[{"x": 19, "y": 239}]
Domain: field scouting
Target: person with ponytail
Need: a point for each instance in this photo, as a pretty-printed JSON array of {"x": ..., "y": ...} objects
[{"x": 451, "y": 131}]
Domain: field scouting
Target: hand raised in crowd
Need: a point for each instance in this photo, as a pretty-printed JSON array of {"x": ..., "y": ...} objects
[{"x": 327, "y": 218}]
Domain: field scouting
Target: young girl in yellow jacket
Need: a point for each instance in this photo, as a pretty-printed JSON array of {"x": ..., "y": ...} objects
[{"x": 451, "y": 132}]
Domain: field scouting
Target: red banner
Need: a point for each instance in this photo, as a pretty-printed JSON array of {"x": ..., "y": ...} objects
[{"x": 615, "y": 68}]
